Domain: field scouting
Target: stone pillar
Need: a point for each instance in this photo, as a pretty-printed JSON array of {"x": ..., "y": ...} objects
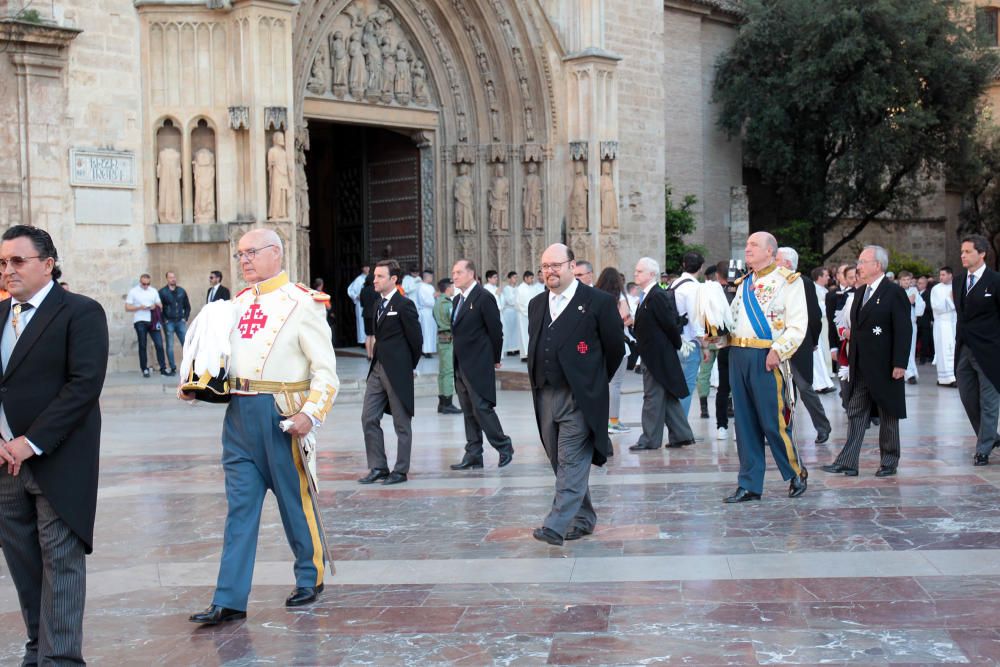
[
  {"x": 739, "y": 217},
  {"x": 33, "y": 157}
]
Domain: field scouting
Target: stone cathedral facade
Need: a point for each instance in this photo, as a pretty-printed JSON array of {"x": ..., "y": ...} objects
[{"x": 148, "y": 135}]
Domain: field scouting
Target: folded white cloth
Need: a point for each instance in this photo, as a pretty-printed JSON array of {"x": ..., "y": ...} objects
[
  {"x": 207, "y": 343},
  {"x": 712, "y": 309}
]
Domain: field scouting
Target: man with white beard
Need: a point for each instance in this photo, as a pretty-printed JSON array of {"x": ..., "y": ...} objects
[
  {"x": 508, "y": 314},
  {"x": 943, "y": 305},
  {"x": 526, "y": 291}
]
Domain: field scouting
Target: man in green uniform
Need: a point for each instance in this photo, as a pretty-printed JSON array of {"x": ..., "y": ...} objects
[{"x": 446, "y": 364}]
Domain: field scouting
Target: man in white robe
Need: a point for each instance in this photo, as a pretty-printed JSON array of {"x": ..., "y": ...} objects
[
  {"x": 491, "y": 285},
  {"x": 945, "y": 317},
  {"x": 508, "y": 315},
  {"x": 424, "y": 297},
  {"x": 917, "y": 307},
  {"x": 526, "y": 291},
  {"x": 354, "y": 292}
]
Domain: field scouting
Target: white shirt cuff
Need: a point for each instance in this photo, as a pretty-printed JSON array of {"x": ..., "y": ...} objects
[{"x": 37, "y": 451}]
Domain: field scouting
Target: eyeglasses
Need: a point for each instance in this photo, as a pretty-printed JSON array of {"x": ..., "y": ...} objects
[
  {"x": 251, "y": 253},
  {"x": 553, "y": 267},
  {"x": 17, "y": 262}
]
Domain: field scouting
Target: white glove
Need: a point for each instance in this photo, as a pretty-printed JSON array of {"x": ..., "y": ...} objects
[
  {"x": 687, "y": 347},
  {"x": 844, "y": 373}
]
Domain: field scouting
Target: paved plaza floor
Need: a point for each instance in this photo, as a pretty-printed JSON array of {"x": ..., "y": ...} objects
[{"x": 443, "y": 569}]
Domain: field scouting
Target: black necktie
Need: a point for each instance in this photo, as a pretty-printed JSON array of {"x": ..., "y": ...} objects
[
  {"x": 458, "y": 308},
  {"x": 381, "y": 308},
  {"x": 972, "y": 282}
]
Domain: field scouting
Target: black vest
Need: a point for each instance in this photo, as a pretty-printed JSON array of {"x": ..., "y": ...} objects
[{"x": 547, "y": 369}]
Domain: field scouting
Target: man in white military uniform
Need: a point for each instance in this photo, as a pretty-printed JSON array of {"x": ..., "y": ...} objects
[
  {"x": 282, "y": 367},
  {"x": 771, "y": 321}
]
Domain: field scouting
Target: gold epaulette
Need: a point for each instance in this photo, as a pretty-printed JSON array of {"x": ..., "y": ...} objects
[
  {"x": 321, "y": 297},
  {"x": 740, "y": 279},
  {"x": 792, "y": 278}
]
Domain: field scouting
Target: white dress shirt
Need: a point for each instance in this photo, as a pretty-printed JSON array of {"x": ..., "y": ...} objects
[{"x": 558, "y": 302}]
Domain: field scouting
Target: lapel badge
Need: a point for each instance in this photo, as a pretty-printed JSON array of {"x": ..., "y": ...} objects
[
  {"x": 582, "y": 348},
  {"x": 877, "y": 331},
  {"x": 580, "y": 308}
]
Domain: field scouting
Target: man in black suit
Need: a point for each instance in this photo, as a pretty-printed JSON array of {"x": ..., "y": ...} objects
[
  {"x": 802, "y": 360},
  {"x": 878, "y": 351},
  {"x": 216, "y": 290},
  {"x": 54, "y": 357},
  {"x": 925, "y": 323},
  {"x": 477, "y": 336},
  {"x": 977, "y": 365},
  {"x": 390, "y": 377},
  {"x": 658, "y": 339},
  {"x": 576, "y": 341}
]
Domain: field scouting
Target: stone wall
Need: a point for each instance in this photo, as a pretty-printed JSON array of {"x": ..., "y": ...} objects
[
  {"x": 921, "y": 239},
  {"x": 634, "y": 30}
]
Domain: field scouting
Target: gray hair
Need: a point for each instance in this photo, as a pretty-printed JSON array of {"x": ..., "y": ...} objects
[
  {"x": 649, "y": 264},
  {"x": 881, "y": 255},
  {"x": 791, "y": 255}
]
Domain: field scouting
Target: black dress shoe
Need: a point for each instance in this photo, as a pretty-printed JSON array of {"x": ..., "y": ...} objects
[
  {"x": 741, "y": 496},
  {"x": 216, "y": 614},
  {"x": 678, "y": 445},
  {"x": 886, "y": 471},
  {"x": 912, "y": 381},
  {"x": 449, "y": 409},
  {"x": 576, "y": 533},
  {"x": 876, "y": 421},
  {"x": 373, "y": 476},
  {"x": 639, "y": 448},
  {"x": 395, "y": 478},
  {"x": 506, "y": 457},
  {"x": 547, "y": 535},
  {"x": 797, "y": 486},
  {"x": 468, "y": 464},
  {"x": 303, "y": 595},
  {"x": 982, "y": 460},
  {"x": 821, "y": 438},
  {"x": 838, "y": 469}
]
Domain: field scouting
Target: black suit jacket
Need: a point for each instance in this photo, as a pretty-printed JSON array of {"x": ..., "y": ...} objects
[
  {"x": 880, "y": 341},
  {"x": 221, "y": 294},
  {"x": 397, "y": 346},
  {"x": 979, "y": 321},
  {"x": 478, "y": 341},
  {"x": 802, "y": 360},
  {"x": 591, "y": 343},
  {"x": 658, "y": 339},
  {"x": 50, "y": 391}
]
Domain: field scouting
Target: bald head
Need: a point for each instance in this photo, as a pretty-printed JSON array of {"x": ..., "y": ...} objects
[
  {"x": 557, "y": 267},
  {"x": 259, "y": 254},
  {"x": 761, "y": 250}
]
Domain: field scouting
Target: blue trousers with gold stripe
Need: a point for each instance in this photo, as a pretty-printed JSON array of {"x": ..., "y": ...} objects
[
  {"x": 761, "y": 408},
  {"x": 256, "y": 456}
]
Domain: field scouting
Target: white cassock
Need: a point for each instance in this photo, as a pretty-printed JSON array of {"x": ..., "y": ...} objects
[
  {"x": 945, "y": 317},
  {"x": 822, "y": 363},
  {"x": 508, "y": 315},
  {"x": 354, "y": 291},
  {"x": 916, "y": 310},
  {"x": 492, "y": 289},
  {"x": 410, "y": 285},
  {"x": 525, "y": 293},
  {"x": 424, "y": 298}
]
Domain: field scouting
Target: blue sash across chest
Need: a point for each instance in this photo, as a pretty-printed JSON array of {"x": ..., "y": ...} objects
[{"x": 754, "y": 312}]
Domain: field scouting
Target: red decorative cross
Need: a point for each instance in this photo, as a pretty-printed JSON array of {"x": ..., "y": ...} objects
[
  {"x": 773, "y": 316},
  {"x": 252, "y": 322},
  {"x": 581, "y": 347}
]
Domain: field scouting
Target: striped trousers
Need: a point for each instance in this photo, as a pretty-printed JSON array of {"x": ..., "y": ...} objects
[
  {"x": 859, "y": 413},
  {"x": 48, "y": 565}
]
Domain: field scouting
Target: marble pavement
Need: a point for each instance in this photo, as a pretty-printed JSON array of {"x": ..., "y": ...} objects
[{"x": 443, "y": 569}]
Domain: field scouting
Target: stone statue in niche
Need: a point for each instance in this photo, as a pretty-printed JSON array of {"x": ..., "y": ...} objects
[
  {"x": 301, "y": 182},
  {"x": 491, "y": 98},
  {"x": 168, "y": 171},
  {"x": 373, "y": 58},
  {"x": 341, "y": 63},
  {"x": 388, "y": 72},
  {"x": 578, "y": 199},
  {"x": 420, "y": 92},
  {"x": 277, "y": 177},
  {"x": 317, "y": 83},
  {"x": 529, "y": 123},
  {"x": 532, "y": 199},
  {"x": 204, "y": 186},
  {"x": 499, "y": 201},
  {"x": 464, "y": 210},
  {"x": 404, "y": 84},
  {"x": 609, "y": 199},
  {"x": 359, "y": 71},
  {"x": 463, "y": 127}
]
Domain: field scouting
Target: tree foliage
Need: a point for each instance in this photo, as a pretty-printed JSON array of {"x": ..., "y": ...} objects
[
  {"x": 848, "y": 108},
  {"x": 980, "y": 180},
  {"x": 679, "y": 221}
]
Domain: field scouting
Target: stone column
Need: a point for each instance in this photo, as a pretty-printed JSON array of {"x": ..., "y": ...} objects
[
  {"x": 35, "y": 159},
  {"x": 739, "y": 217}
]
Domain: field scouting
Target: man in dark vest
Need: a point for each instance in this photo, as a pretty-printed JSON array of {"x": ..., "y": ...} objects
[
  {"x": 977, "y": 365},
  {"x": 575, "y": 346}
]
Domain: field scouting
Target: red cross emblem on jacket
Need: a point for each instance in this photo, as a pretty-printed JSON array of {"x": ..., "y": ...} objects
[
  {"x": 581, "y": 347},
  {"x": 253, "y": 321}
]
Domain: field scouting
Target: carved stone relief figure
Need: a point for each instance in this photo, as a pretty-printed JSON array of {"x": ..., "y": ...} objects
[
  {"x": 373, "y": 58},
  {"x": 301, "y": 182},
  {"x": 204, "y": 186},
  {"x": 499, "y": 201},
  {"x": 341, "y": 63},
  {"x": 529, "y": 123},
  {"x": 168, "y": 171},
  {"x": 421, "y": 94},
  {"x": 464, "y": 209},
  {"x": 317, "y": 83},
  {"x": 609, "y": 199},
  {"x": 277, "y": 177},
  {"x": 578, "y": 199},
  {"x": 404, "y": 84},
  {"x": 532, "y": 199},
  {"x": 491, "y": 98},
  {"x": 359, "y": 71},
  {"x": 388, "y": 72},
  {"x": 463, "y": 127}
]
